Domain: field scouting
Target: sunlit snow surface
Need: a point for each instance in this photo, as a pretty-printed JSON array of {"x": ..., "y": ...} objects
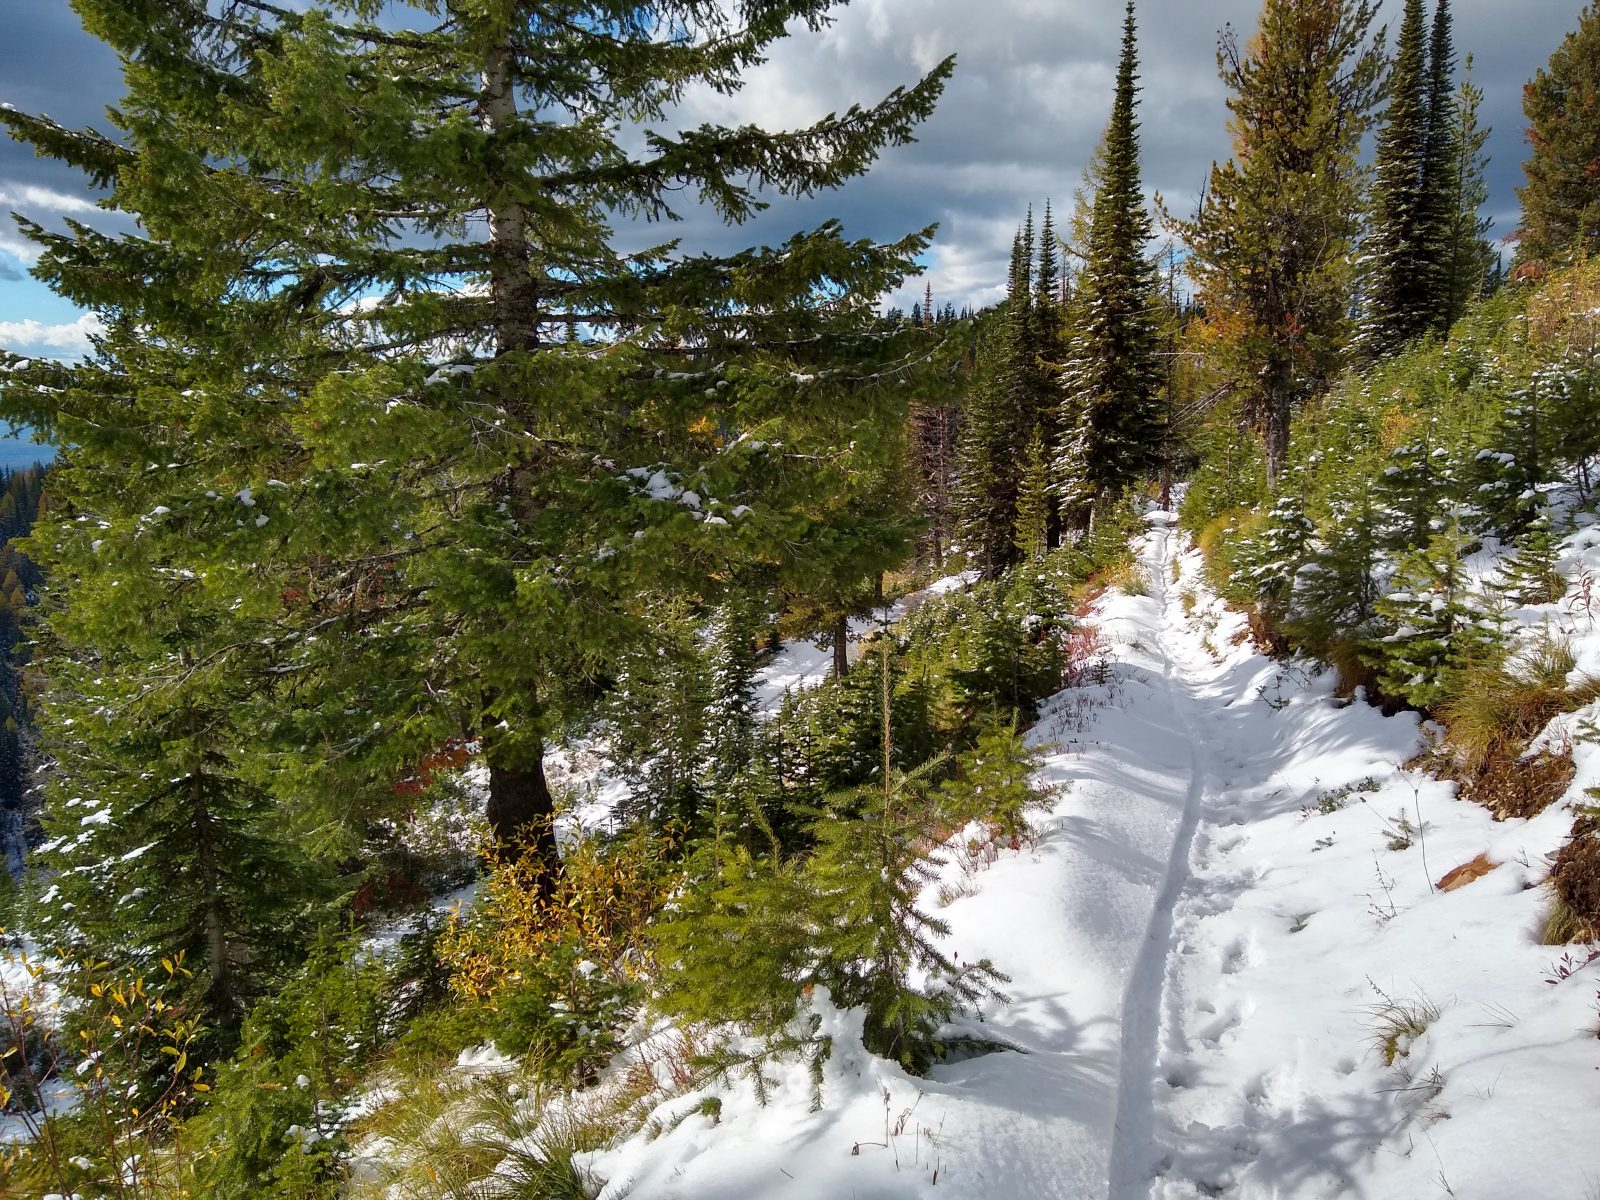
[{"x": 1195, "y": 965}]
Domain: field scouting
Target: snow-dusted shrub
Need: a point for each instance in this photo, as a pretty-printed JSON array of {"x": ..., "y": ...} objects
[{"x": 996, "y": 783}]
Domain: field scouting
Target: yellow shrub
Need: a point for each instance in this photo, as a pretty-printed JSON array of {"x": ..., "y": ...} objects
[{"x": 600, "y": 900}]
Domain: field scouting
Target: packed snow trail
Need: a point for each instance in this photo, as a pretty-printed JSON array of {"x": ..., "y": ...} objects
[
  {"x": 1131, "y": 1138},
  {"x": 1081, "y": 923},
  {"x": 1201, "y": 941}
]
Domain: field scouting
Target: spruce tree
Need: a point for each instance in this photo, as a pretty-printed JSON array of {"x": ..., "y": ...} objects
[
  {"x": 1533, "y": 574},
  {"x": 734, "y": 649},
  {"x": 1111, "y": 413},
  {"x": 1470, "y": 258},
  {"x": 1333, "y": 601},
  {"x": 659, "y": 719},
  {"x": 163, "y": 835},
  {"x": 1033, "y": 501},
  {"x": 1435, "y": 622},
  {"x": 1001, "y": 409},
  {"x": 1270, "y": 561},
  {"x": 377, "y": 340},
  {"x": 1271, "y": 244},
  {"x": 1401, "y": 262},
  {"x": 1421, "y": 482},
  {"x": 1560, "y": 203},
  {"x": 1440, "y": 169},
  {"x": 879, "y": 947}
]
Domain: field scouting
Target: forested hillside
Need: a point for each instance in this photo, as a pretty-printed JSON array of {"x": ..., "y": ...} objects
[
  {"x": 527, "y": 712},
  {"x": 21, "y": 503}
]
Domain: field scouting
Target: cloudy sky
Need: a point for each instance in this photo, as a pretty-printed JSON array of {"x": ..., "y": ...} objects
[{"x": 1030, "y": 97}]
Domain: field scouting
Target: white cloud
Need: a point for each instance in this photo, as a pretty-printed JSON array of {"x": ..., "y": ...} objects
[
  {"x": 33, "y": 201},
  {"x": 44, "y": 205},
  {"x": 68, "y": 340},
  {"x": 1031, "y": 94},
  {"x": 17, "y": 246}
]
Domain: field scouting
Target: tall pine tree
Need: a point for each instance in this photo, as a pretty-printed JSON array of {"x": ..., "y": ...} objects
[
  {"x": 1006, "y": 402},
  {"x": 1440, "y": 169},
  {"x": 380, "y": 379},
  {"x": 1470, "y": 259},
  {"x": 1560, "y": 202},
  {"x": 1271, "y": 244},
  {"x": 1111, "y": 410},
  {"x": 1401, "y": 264}
]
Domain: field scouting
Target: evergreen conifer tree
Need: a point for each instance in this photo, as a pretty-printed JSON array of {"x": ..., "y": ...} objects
[
  {"x": 1441, "y": 200},
  {"x": 1033, "y": 501},
  {"x": 659, "y": 717},
  {"x": 1420, "y": 483},
  {"x": 1470, "y": 258},
  {"x": 880, "y": 948},
  {"x": 1111, "y": 412},
  {"x": 996, "y": 781},
  {"x": 1333, "y": 602},
  {"x": 735, "y": 660},
  {"x": 378, "y": 324},
  {"x": 1271, "y": 560},
  {"x": 1272, "y": 240},
  {"x": 1401, "y": 260},
  {"x": 1560, "y": 203},
  {"x": 1435, "y": 621},
  {"x": 1533, "y": 574},
  {"x": 1003, "y": 406}
]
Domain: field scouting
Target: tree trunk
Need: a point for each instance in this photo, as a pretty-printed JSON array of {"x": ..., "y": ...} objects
[
  {"x": 220, "y": 992},
  {"x": 513, "y": 292},
  {"x": 841, "y": 647},
  {"x": 521, "y": 811},
  {"x": 1277, "y": 439}
]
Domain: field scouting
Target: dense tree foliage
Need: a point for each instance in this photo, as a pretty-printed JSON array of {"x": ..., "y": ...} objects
[
  {"x": 1560, "y": 203},
  {"x": 1111, "y": 417},
  {"x": 386, "y": 443},
  {"x": 1272, "y": 242}
]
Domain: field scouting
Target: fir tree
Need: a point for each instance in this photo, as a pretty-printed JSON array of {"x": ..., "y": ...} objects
[
  {"x": 1421, "y": 482},
  {"x": 187, "y": 854},
  {"x": 996, "y": 782},
  {"x": 1272, "y": 240},
  {"x": 1333, "y": 601},
  {"x": 1002, "y": 407},
  {"x": 1033, "y": 501},
  {"x": 1533, "y": 574},
  {"x": 441, "y": 548},
  {"x": 1401, "y": 259},
  {"x": 735, "y": 654},
  {"x": 1560, "y": 203},
  {"x": 1111, "y": 411},
  {"x": 1441, "y": 199},
  {"x": 1435, "y": 622},
  {"x": 1546, "y": 426},
  {"x": 1270, "y": 561},
  {"x": 659, "y": 719},
  {"x": 1470, "y": 258},
  {"x": 880, "y": 949}
]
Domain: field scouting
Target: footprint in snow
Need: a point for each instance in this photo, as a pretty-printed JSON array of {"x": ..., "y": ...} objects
[
  {"x": 1239, "y": 957},
  {"x": 1215, "y": 1030}
]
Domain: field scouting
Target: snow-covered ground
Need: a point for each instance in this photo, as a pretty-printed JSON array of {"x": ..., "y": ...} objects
[{"x": 1231, "y": 974}]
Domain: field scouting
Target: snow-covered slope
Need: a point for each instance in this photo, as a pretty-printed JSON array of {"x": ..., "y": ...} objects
[{"x": 1230, "y": 972}]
